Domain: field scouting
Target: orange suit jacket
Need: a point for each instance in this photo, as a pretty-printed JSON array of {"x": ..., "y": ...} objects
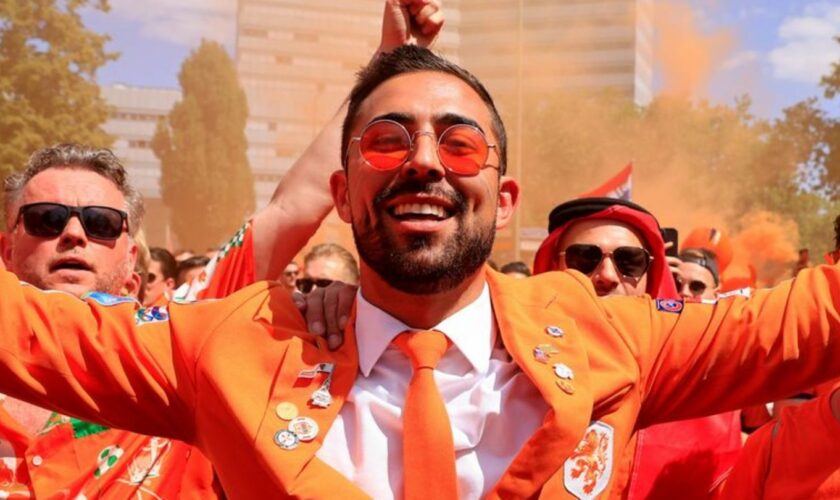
[{"x": 212, "y": 373}]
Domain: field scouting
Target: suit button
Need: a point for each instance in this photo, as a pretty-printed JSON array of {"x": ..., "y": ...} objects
[{"x": 37, "y": 460}]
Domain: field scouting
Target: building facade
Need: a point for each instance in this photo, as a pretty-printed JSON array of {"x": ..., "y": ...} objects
[{"x": 134, "y": 114}]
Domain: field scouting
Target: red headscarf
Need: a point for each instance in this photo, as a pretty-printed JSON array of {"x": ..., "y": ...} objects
[{"x": 660, "y": 284}]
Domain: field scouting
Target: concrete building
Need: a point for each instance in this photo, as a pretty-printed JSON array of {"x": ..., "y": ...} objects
[{"x": 134, "y": 115}]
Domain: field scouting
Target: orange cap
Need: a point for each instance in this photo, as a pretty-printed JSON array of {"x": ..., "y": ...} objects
[{"x": 713, "y": 240}]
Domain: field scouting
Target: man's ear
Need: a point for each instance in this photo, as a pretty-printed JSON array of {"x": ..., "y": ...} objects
[
  {"x": 340, "y": 194},
  {"x": 508, "y": 201},
  {"x": 5, "y": 250},
  {"x": 132, "y": 285}
]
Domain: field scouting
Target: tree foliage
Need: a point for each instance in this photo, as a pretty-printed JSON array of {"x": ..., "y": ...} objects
[
  {"x": 48, "y": 65},
  {"x": 205, "y": 177},
  {"x": 694, "y": 163}
]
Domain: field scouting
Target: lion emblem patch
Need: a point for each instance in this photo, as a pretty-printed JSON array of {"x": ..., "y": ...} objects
[{"x": 588, "y": 469}]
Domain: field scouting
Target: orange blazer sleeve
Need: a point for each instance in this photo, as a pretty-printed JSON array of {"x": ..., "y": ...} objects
[
  {"x": 702, "y": 359},
  {"x": 103, "y": 359},
  {"x": 791, "y": 458}
]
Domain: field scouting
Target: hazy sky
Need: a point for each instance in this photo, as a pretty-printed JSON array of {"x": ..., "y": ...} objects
[{"x": 777, "y": 49}]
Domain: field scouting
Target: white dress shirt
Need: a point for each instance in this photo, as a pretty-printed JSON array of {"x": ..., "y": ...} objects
[{"x": 476, "y": 380}]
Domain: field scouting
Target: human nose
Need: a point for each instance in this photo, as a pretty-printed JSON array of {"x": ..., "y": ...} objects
[
  {"x": 424, "y": 162},
  {"x": 606, "y": 271},
  {"x": 73, "y": 233}
]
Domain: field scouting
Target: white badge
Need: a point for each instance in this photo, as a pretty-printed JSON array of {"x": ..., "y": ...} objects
[{"x": 587, "y": 471}]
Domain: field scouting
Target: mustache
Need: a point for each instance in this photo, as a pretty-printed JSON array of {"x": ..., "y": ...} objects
[{"x": 418, "y": 187}]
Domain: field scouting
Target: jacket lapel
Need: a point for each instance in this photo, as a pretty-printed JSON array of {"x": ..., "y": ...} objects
[
  {"x": 528, "y": 319},
  {"x": 299, "y": 471}
]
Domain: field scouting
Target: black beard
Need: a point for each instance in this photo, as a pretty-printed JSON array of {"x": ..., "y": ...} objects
[{"x": 411, "y": 272}]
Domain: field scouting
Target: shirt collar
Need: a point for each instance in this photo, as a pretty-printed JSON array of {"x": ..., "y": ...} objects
[{"x": 471, "y": 329}]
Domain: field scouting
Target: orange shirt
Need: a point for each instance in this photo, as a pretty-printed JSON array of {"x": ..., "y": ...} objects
[
  {"x": 220, "y": 374},
  {"x": 797, "y": 456},
  {"x": 69, "y": 457}
]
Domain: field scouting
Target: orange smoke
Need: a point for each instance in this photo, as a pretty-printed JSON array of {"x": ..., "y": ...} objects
[
  {"x": 769, "y": 243},
  {"x": 686, "y": 54}
]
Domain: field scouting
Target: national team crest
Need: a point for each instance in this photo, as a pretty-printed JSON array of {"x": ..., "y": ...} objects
[
  {"x": 153, "y": 314},
  {"x": 669, "y": 305},
  {"x": 587, "y": 471}
]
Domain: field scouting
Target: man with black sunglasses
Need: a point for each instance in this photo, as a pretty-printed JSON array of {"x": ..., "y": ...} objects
[{"x": 619, "y": 246}]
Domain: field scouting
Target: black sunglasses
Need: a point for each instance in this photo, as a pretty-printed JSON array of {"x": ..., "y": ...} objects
[
  {"x": 305, "y": 285},
  {"x": 696, "y": 287},
  {"x": 151, "y": 278},
  {"x": 48, "y": 220},
  {"x": 631, "y": 262}
]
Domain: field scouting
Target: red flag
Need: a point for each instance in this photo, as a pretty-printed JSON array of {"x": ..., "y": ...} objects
[{"x": 617, "y": 187}]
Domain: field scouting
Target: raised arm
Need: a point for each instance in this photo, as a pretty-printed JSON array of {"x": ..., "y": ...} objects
[{"x": 302, "y": 198}]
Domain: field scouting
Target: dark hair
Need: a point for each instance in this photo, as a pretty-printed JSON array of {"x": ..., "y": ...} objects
[
  {"x": 702, "y": 258},
  {"x": 411, "y": 59},
  {"x": 516, "y": 267},
  {"x": 102, "y": 161},
  {"x": 837, "y": 233},
  {"x": 168, "y": 264},
  {"x": 191, "y": 263}
]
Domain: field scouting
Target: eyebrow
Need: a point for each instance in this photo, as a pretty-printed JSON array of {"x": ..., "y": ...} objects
[{"x": 445, "y": 119}]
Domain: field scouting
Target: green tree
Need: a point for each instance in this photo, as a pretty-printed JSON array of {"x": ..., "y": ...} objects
[
  {"x": 205, "y": 178},
  {"x": 48, "y": 65}
]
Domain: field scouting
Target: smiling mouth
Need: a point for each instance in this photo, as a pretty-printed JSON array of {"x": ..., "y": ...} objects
[{"x": 419, "y": 211}]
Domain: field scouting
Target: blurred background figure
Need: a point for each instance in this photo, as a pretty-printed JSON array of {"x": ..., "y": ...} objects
[
  {"x": 517, "y": 269},
  {"x": 160, "y": 280},
  {"x": 290, "y": 275},
  {"x": 803, "y": 261},
  {"x": 183, "y": 254},
  {"x": 326, "y": 263},
  {"x": 697, "y": 276},
  {"x": 137, "y": 287},
  {"x": 190, "y": 269}
]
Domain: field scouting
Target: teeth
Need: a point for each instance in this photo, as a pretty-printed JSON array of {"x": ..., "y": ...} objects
[{"x": 420, "y": 209}]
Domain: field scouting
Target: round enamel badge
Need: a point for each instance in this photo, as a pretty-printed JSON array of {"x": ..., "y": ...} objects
[
  {"x": 286, "y": 439},
  {"x": 305, "y": 428}
]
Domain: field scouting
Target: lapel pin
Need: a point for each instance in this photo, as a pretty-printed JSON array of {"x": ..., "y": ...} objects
[
  {"x": 554, "y": 331},
  {"x": 565, "y": 375},
  {"x": 286, "y": 439},
  {"x": 305, "y": 428},
  {"x": 286, "y": 410},
  {"x": 543, "y": 352}
]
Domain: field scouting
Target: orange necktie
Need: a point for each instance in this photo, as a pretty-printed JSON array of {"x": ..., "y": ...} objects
[{"x": 428, "y": 450}]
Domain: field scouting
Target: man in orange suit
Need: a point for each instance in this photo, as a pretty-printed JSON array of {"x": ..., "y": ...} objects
[
  {"x": 46, "y": 455},
  {"x": 453, "y": 380}
]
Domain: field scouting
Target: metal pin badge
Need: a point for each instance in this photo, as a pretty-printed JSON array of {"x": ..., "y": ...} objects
[
  {"x": 563, "y": 371},
  {"x": 319, "y": 368},
  {"x": 286, "y": 439},
  {"x": 286, "y": 410},
  {"x": 554, "y": 331},
  {"x": 305, "y": 428}
]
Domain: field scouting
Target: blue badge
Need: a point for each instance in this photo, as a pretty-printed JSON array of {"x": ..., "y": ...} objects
[
  {"x": 669, "y": 305},
  {"x": 106, "y": 299},
  {"x": 154, "y": 314}
]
